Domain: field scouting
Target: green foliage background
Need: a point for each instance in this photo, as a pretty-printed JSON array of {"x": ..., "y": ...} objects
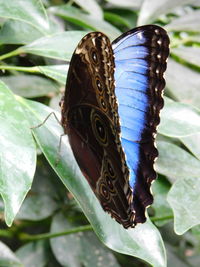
[{"x": 53, "y": 216}]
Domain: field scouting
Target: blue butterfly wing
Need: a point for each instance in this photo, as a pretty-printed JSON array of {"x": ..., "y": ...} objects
[{"x": 140, "y": 61}]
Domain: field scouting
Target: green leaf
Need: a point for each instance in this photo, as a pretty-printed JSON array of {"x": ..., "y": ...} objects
[
  {"x": 151, "y": 10},
  {"x": 30, "y": 85},
  {"x": 179, "y": 120},
  {"x": 56, "y": 72},
  {"x": 173, "y": 257},
  {"x": 74, "y": 15},
  {"x": 16, "y": 32},
  {"x": 189, "y": 54},
  {"x": 192, "y": 142},
  {"x": 37, "y": 207},
  {"x": 31, "y": 12},
  {"x": 58, "y": 46},
  {"x": 180, "y": 86},
  {"x": 34, "y": 254},
  {"x": 82, "y": 244},
  {"x": 175, "y": 162},
  {"x": 126, "y": 3},
  {"x": 1, "y": 205},
  {"x": 18, "y": 154},
  {"x": 91, "y": 7},
  {"x": 184, "y": 198},
  {"x": 8, "y": 258},
  {"x": 144, "y": 241},
  {"x": 161, "y": 208},
  {"x": 187, "y": 22},
  {"x": 117, "y": 19}
]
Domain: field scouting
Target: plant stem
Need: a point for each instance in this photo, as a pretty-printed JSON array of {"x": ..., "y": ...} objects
[
  {"x": 6, "y": 233},
  {"x": 27, "y": 237},
  {"x": 11, "y": 54},
  {"x": 25, "y": 69},
  {"x": 155, "y": 219}
]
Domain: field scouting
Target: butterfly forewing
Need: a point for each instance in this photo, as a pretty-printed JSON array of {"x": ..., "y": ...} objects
[
  {"x": 140, "y": 59},
  {"x": 90, "y": 118}
]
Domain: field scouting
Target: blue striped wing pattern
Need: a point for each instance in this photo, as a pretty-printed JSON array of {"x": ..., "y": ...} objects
[{"x": 140, "y": 61}]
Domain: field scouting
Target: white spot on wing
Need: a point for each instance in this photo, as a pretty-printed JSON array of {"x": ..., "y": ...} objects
[{"x": 139, "y": 35}]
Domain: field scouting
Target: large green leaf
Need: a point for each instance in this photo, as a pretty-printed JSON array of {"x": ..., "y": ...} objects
[
  {"x": 179, "y": 120},
  {"x": 8, "y": 258},
  {"x": 151, "y": 10},
  {"x": 56, "y": 72},
  {"x": 76, "y": 16},
  {"x": 184, "y": 198},
  {"x": 183, "y": 83},
  {"x": 37, "y": 207},
  {"x": 160, "y": 205},
  {"x": 34, "y": 254},
  {"x": 31, "y": 12},
  {"x": 187, "y": 22},
  {"x": 82, "y": 244},
  {"x": 16, "y": 32},
  {"x": 175, "y": 162},
  {"x": 144, "y": 241},
  {"x": 192, "y": 142},
  {"x": 58, "y": 46},
  {"x": 30, "y": 85},
  {"x": 92, "y": 7},
  {"x": 18, "y": 154},
  {"x": 190, "y": 54}
]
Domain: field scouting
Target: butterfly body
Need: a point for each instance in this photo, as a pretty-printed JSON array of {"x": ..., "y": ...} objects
[{"x": 114, "y": 144}]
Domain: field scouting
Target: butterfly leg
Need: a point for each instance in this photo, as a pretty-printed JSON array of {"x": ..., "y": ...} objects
[
  {"x": 42, "y": 123},
  {"x": 59, "y": 150}
]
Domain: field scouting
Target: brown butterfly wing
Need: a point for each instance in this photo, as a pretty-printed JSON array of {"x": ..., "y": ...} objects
[{"x": 90, "y": 118}]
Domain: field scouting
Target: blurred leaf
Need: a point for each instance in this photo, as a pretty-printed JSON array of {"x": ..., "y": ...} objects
[
  {"x": 174, "y": 259},
  {"x": 116, "y": 19},
  {"x": 195, "y": 38},
  {"x": 58, "y": 46},
  {"x": 31, "y": 12},
  {"x": 192, "y": 142},
  {"x": 183, "y": 83},
  {"x": 187, "y": 22},
  {"x": 126, "y": 3},
  {"x": 79, "y": 247},
  {"x": 160, "y": 205},
  {"x": 194, "y": 260},
  {"x": 34, "y": 254},
  {"x": 56, "y": 72},
  {"x": 1, "y": 205},
  {"x": 76, "y": 16},
  {"x": 151, "y": 10},
  {"x": 184, "y": 198},
  {"x": 91, "y": 7},
  {"x": 179, "y": 120},
  {"x": 175, "y": 162},
  {"x": 30, "y": 85},
  {"x": 128, "y": 17},
  {"x": 144, "y": 241},
  {"x": 18, "y": 154},
  {"x": 17, "y": 32},
  {"x": 46, "y": 182},
  {"x": 8, "y": 258},
  {"x": 37, "y": 207},
  {"x": 189, "y": 54}
]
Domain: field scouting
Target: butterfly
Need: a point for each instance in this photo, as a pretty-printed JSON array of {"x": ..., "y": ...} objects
[{"x": 110, "y": 112}]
